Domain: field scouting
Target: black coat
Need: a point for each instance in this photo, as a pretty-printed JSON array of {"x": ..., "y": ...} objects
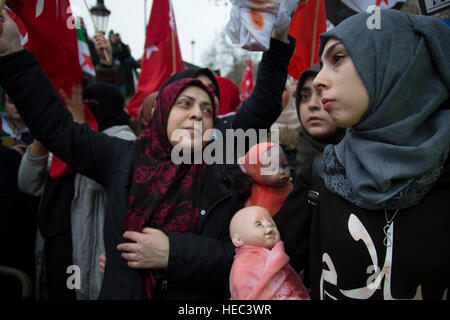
[
  {"x": 341, "y": 248},
  {"x": 17, "y": 216},
  {"x": 199, "y": 264}
]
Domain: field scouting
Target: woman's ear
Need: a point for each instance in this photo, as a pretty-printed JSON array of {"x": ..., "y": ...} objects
[{"x": 237, "y": 241}]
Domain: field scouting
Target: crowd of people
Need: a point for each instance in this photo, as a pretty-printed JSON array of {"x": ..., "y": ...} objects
[{"x": 364, "y": 139}]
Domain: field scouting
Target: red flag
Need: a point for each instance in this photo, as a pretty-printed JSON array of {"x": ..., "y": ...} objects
[
  {"x": 51, "y": 34},
  {"x": 247, "y": 81},
  {"x": 162, "y": 55},
  {"x": 229, "y": 95},
  {"x": 24, "y": 38},
  {"x": 308, "y": 24}
]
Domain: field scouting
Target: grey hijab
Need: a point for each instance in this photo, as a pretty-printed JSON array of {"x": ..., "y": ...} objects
[{"x": 397, "y": 151}]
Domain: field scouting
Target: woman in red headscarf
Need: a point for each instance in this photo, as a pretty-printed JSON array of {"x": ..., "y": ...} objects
[
  {"x": 166, "y": 227},
  {"x": 174, "y": 217}
]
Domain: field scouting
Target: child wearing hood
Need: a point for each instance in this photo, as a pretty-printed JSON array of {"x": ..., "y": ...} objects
[{"x": 269, "y": 170}]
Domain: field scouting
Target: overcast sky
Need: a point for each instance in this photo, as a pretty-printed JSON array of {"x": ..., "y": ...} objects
[{"x": 198, "y": 20}]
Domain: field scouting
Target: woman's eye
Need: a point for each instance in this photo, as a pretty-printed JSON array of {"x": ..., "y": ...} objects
[
  {"x": 258, "y": 223},
  {"x": 304, "y": 97},
  {"x": 184, "y": 102},
  {"x": 207, "y": 110},
  {"x": 338, "y": 57}
]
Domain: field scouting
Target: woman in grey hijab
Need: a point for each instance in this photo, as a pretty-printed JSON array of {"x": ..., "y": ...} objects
[{"x": 390, "y": 88}]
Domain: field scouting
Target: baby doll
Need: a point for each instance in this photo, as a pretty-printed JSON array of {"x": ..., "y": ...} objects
[
  {"x": 269, "y": 169},
  {"x": 261, "y": 269}
]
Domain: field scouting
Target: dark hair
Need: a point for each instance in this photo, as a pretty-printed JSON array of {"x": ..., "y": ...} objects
[
  {"x": 311, "y": 72},
  {"x": 194, "y": 73},
  {"x": 3, "y": 97},
  {"x": 241, "y": 182}
]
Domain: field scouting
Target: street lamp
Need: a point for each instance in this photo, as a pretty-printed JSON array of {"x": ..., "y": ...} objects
[{"x": 100, "y": 15}]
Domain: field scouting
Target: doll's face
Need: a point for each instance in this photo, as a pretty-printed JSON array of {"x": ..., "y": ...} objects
[
  {"x": 254, "y": 226},
  {"x": 275, "y": 168}
]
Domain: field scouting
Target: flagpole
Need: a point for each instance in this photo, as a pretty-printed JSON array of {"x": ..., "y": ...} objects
[
  {"x": 108, "y": 59},
  {"x": 92, "y": 17},
  {"x": 174, "y": 52},
  {"x": 316, "y": 20},
  {"x": 145, "y": 15}
]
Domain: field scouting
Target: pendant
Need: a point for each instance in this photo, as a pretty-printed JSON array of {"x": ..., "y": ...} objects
[{"x": 387, "y": 239}]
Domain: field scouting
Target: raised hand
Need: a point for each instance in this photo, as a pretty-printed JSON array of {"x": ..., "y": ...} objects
[
  {"x": 9, "y": 35},
  {"x": 75, "y": 103},
  {"x": 103, "y": 47}
]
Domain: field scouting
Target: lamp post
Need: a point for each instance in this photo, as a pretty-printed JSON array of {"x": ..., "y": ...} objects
[
  {"x": 145, "y": 14},
  {"x": 100, "y": 15}
]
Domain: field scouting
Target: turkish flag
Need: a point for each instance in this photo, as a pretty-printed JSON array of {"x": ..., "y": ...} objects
[
  {"x": 162, "y": 55},
  {"x": 247, "y": 81},
  {"x": 308, "y": 24},
  {"x": 50, "y": 32},
  {"x": 229, "y": 95},
  {"x": 24, "y": 39}
]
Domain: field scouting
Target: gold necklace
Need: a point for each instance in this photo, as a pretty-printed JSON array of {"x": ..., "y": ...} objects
[{"x": 387, "y": 239}]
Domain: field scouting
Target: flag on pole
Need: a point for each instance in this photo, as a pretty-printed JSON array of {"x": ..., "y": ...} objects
[
  {"x": 162, "y": 55},
  {"x": 83, "y": 52},
  {"x": 308, "y": 23},
  {"x": 247, "y": 81},
  {"x": 339, "y": 10},
  {"x": 50, "y": 32}
]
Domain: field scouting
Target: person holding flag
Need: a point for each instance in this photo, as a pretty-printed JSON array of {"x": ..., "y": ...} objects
[
  {"x": 197, "y": 264},
  {"x": 63, "y": 58}
]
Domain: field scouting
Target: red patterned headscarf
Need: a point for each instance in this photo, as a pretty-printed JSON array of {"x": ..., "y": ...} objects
[{"x": 163, "y": 195}]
